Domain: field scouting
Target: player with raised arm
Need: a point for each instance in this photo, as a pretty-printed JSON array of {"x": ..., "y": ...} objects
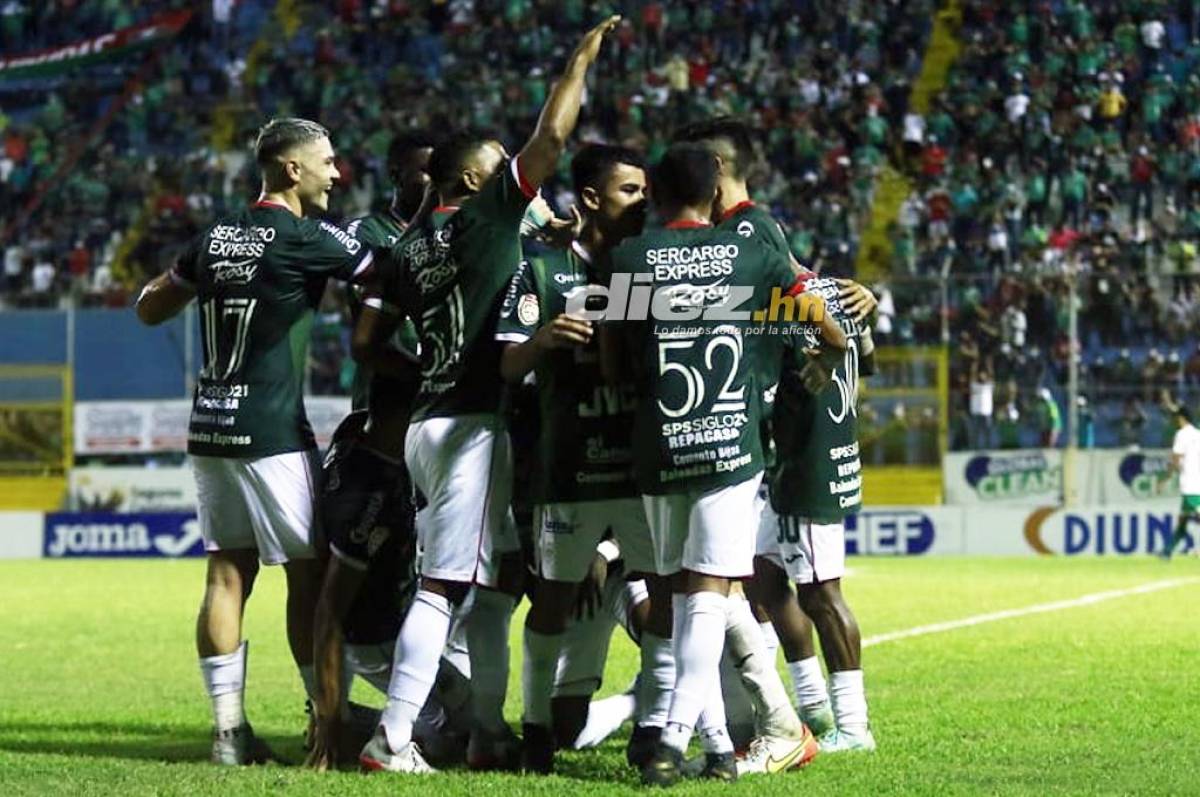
[
  {"x": 583, "y": 483},
  {"x": 258, "y": 275},
  {"x": 697, "y": 448},
  {"x": 817, "y": 481},
  {"x": 453, "y": 266}
]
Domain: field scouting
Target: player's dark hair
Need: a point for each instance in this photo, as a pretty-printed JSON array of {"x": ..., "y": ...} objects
[
  {"x": 1183, "y": 412},
  {"x": 592, "y": 164},
  {"x": 737, "y": 136},
  {"x": 281, "y": 135},
  {"x": 450, "y": 156},
  {"x": 404, "y": 143},
  {"x": 685, "y": 177}
]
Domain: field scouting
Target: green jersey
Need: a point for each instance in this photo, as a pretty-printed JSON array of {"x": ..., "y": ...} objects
[
  {"x": 259, "y": 275},
  {"x": 584, "y": 441},
  {"x": 818, "y": 473},
  {"x": 697, "y": 420},
  {"x": 752, "y": 221},
  {"x": 380, "y": 231},
  {"x": 449, "y": 271}
]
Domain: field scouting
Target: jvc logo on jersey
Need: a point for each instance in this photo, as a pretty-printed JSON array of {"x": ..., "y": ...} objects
[
  {"x": 69, "y": 534},
  {"x": 632, "y": 297},
  {"x": 889, "y": 533}
]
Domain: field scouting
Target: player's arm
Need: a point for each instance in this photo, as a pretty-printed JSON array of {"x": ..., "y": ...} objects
[
  {"x": 163, "y": 298},
  {"x": 369, "y": 344},
  {"x": 341, "y": 586},
  {"x": 539, "y": 157},
  {"x": 563, "y": 332}
]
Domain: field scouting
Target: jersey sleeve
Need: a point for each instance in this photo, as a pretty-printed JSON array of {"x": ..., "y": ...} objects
[
  {"x": 183, "y": 273},
  {"x": 326, "y": 250},
  {"x": 385, "y": 291},
  {"x": 1179, "y": 446},
  {"x": 521, "y": 312},
  {"x": 505, "y": 196}
]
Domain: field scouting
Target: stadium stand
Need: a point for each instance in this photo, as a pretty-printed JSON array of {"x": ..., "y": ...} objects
[{"x": 1066, "y": 138}]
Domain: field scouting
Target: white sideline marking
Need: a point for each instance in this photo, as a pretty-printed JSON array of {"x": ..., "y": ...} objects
[{"x": 1037, "y": 608}]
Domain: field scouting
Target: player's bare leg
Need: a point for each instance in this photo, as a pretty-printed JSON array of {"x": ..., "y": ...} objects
[
  {"x": 228, "y": 583},
  {"x": 794, "y": 629},
  {"x": 841, "y": 644},
  {"x": 303, "y": 589}
]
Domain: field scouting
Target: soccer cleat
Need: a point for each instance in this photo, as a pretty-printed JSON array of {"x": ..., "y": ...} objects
[
  {"x": 663, "y": 768},
  {"x": 818, "y": 717},
  {"x": 378, "y": 756},
  {"x": 642, "y": 744},
  {"x": 537, "y": 749},
  {"x": 239, "y": 747},
  {"x": 837, "y": 741},
  {"x": 770, "y": 755},
  {"x": 719, "y": 766},
  {"x": 493, "y": 752}
]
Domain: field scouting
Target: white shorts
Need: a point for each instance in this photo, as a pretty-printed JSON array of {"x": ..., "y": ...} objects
[
  {"x": 265, "y": 504},
  {"x": 567, "y": 534},
  {"x": 463, "y": 467},
  {"x": 585, "y": 645},
  {"x": 808, "y": 552},
  {"x": 711, "y": 532}
]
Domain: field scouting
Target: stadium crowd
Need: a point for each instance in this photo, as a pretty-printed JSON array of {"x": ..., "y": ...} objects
[
  {"x": 1066, "y": 142},
  {"x": 1067, "y": 139}
]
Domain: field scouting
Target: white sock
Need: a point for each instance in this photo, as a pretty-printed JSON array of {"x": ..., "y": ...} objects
[
  {"x": 771, "y": 640},
  {"x": 456, "y": 652},
  {"x": 415, "y": 664},
  {"x": 487, "y": 641},
  {"x": 605, "y": 717},
  {"x": 658, "y": 679},
  {"x": 699, "y": 640},
  {"x": 225, "y": 681},
  {"x": 537, "y": 674},
  {"x": 808, "y": 681},
  {"x": 849, "y": 700},
  {"x": 739, "y": 708},
  {"x": 745, "y": 647},
  {"x": 712, "y": 727},
  {"x": 308, "y": 674}
]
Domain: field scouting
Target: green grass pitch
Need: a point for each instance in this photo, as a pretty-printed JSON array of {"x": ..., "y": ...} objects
[{"x": 100, "y": 694}]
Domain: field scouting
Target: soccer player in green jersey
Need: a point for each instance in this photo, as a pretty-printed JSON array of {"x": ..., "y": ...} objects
[
  {"x": 258, "y": 276},
  {"x": 367, "y": 492},
  {"x": 732, "y": 142},
  {"x": 816, "y": 482},
  {"x": 408, "y": 167},
  {"x": 583, "y": 483},
  {"x": 697, "y": 450},
  {"x": 450, "y": 271}
]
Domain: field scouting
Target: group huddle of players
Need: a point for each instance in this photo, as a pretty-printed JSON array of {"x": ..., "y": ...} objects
[{"x": 676, "y": 401}]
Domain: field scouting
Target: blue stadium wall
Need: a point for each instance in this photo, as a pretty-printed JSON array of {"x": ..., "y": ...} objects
[{"x": 116, "y": 357}]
